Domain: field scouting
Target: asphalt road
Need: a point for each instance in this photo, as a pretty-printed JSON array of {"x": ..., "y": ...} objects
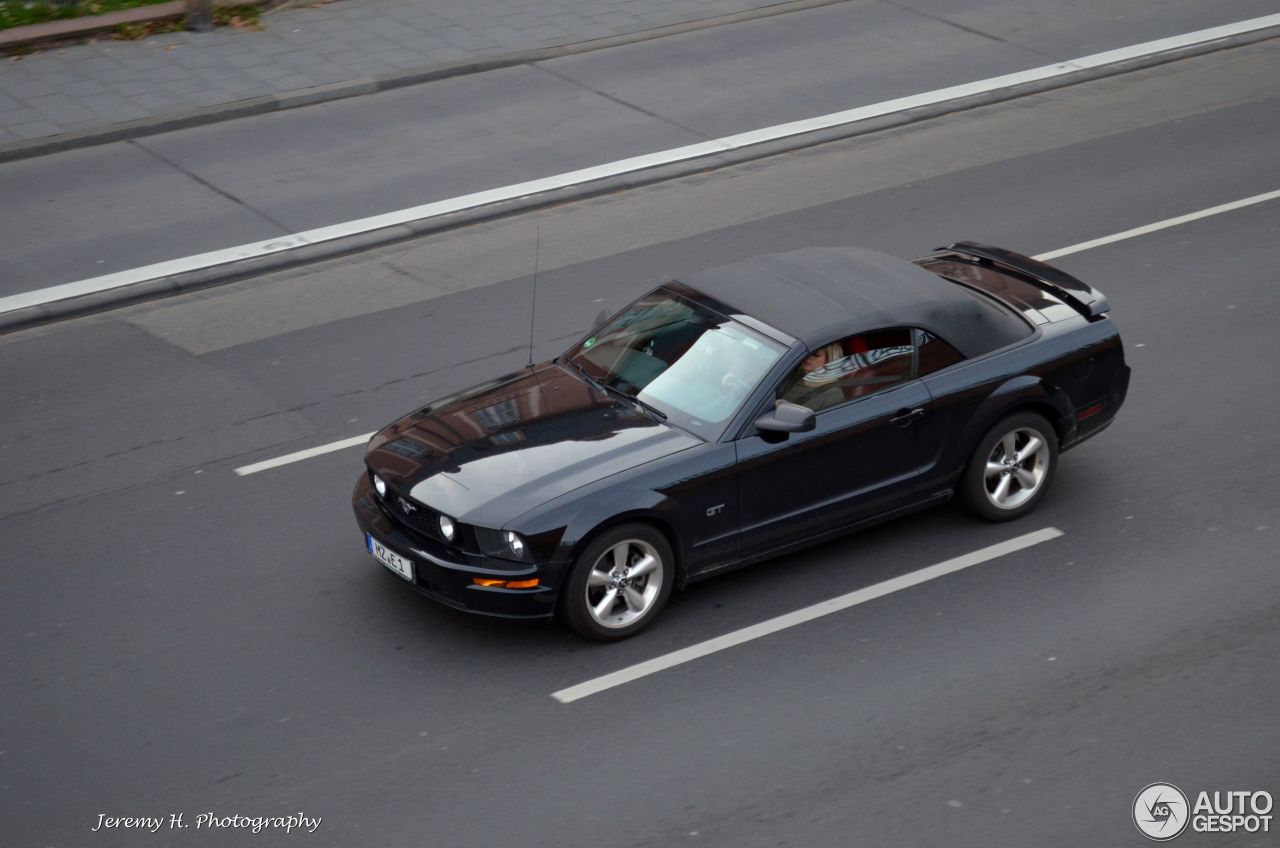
[
  {"x": 177, "y": 639},
  {"x": 143, "y": 201}
]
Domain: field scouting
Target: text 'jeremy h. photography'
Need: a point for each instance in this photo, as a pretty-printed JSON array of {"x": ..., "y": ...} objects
[{"x": 208, "y": 820}]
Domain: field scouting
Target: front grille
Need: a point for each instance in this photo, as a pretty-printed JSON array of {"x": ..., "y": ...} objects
[
  {"x": 414, "y": 515},
  {"x": 425, "y": 521}
]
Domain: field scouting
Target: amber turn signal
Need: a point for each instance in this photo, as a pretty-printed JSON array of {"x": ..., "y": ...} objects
[{"x": 505, "y": 584}]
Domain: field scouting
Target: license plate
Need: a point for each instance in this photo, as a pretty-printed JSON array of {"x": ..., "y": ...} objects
[{"x": 392, "y": 560}]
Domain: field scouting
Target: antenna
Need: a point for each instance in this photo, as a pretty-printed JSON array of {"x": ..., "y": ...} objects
[{"x": 537, "y": 250}]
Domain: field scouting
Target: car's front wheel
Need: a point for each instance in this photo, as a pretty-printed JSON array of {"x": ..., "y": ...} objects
[
  {"x": 620, "y": 582},
  {"x": 1011, "y": 468}
]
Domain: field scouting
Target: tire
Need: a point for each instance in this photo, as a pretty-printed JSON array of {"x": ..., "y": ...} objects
[
  {"x": 608, "y": 567},
  {"x": 999, "y": 488}
]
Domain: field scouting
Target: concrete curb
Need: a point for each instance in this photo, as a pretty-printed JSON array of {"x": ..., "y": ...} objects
[
  {"x": 231, "y": 272},
  {"x": 265, "y": 104}
]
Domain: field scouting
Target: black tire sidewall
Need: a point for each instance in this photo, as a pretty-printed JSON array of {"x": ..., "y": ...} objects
[
  {"x": 572, "y": 606},
  {"x": 973, "y": 491}
]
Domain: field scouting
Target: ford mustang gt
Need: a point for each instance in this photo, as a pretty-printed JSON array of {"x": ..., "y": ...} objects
[{"x": 735, "y": 415}]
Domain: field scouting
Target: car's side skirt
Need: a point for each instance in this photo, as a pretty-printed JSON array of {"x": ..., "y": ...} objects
[{"x": 791, "y": 547}]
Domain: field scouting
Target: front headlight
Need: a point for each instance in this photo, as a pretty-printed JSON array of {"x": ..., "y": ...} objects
[
  {"x": 379, "y": 485},
  {"x": 505, "y": 544}
]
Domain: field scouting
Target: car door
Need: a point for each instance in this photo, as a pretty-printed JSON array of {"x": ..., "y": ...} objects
[{"x": 860, "y": 460}]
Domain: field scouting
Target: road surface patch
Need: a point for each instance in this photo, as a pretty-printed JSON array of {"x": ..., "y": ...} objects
[{"x": 804, "y": 615}]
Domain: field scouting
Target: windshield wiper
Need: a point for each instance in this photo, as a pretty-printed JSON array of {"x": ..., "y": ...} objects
[
  {"x": 645, "y": 405},
  {"x": 605, "y": 387},
  {"x": 586, "y": 376}
]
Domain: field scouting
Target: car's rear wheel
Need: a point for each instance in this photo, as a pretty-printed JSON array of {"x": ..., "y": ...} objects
[
  {"x": 1011, "y": 468},
  {"x": 620, "y": 582}
]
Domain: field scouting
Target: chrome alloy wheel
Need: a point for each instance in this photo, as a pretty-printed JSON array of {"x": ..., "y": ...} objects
[
  {"x": 624, "y": 583},
  {"x": 1016, "y": 468}
]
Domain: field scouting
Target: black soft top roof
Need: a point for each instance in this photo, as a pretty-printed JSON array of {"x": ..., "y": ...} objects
[{"x": 819, "y": 294}]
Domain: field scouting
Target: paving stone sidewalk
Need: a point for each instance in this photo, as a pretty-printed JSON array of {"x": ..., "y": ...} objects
[{"x": 90, "y": 87}]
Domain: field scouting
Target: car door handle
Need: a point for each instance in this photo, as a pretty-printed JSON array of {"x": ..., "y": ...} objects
[{"x": 906, "y": 417}]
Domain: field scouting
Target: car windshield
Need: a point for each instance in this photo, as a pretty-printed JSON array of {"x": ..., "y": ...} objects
[{"x": 691, "y": 364}]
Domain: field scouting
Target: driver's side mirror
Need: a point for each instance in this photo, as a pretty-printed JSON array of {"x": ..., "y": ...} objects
[{"x": 787, "y": 417}]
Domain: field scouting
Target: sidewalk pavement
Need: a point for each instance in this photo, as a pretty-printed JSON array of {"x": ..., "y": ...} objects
[{"x": 70, "y": 95}]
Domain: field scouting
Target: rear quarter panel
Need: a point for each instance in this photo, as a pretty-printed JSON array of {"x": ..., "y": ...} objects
[{"x": 1066, "y": 367}]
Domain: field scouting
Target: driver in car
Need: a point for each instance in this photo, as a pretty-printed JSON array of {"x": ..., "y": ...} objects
[{"x": 815, "y": 384}]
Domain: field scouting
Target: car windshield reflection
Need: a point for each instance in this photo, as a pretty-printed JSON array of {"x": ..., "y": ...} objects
[{"x": 694, "y": 365}]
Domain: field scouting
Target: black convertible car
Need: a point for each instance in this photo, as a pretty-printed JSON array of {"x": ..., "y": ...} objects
[{"x": 738, "y": 414}]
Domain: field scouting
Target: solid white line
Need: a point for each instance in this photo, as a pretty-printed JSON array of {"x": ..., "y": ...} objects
[
  {"x": 302, "y": 454},
  {"x": 624, "y": 166},
  {"x": 800, "y": 616},
  {"x": 1160, "y": 225}
]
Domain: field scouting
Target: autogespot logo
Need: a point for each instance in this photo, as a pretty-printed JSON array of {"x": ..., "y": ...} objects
[{"x": 1160, "y": 811}]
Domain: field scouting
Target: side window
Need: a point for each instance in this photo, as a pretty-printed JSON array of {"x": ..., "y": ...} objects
[
  {"x": 875, "y": 361},
  {"x": 851, "y": 368},
  {"x": 933, "y": 354}
]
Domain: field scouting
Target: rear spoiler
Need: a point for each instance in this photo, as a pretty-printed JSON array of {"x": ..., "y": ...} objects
[{"x": 1082, "y": 296}]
